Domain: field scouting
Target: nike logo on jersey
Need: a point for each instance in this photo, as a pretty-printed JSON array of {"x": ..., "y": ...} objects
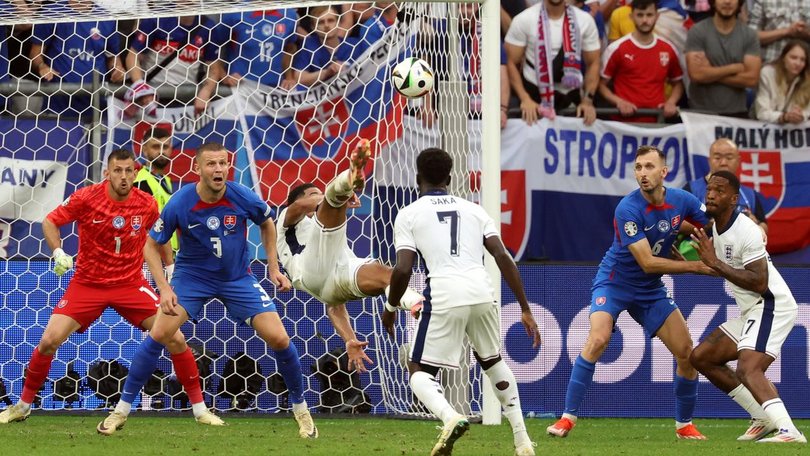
[
  {"x": 98, "y": 221},
  {"x": 192, "y": 226},
  {"x": 648, "y": 228}
]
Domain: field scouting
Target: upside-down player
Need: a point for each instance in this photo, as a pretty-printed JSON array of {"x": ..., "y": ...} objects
[
  {"x": 646, "y": 223},
  {"x": 313, "y": 248},
  {"x": 113, "y": 220},
  {"x": 767, "y": 314},
  {"x": 213, "y": 261}
]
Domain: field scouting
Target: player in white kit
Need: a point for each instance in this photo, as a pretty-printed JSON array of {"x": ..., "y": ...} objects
[
  {"x": 767, "y": 314},
  {"x": 451, "y": 235},
  {"x": 312, "y": 245}
]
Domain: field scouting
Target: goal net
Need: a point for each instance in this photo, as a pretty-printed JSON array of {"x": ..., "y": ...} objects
[{"x": 290, "y": 90}]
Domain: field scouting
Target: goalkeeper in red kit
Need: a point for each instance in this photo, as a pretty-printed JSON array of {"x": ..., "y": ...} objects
[{"x": 113, "y": 220}]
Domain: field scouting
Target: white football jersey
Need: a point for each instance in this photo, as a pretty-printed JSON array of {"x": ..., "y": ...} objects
[
  {"x": 289, "y": 245},
  {"x": 448, "y": 232},
  {"x": 741, "y": 244}
]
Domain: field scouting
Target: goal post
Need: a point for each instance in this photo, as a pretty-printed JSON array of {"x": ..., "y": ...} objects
[{"x": 279, "y": 137}]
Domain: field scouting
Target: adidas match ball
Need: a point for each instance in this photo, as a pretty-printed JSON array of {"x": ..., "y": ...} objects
[{"x": 412, "y": 77}]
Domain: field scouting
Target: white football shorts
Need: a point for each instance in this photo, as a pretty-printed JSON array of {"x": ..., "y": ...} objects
[
  {"x": 760, "y": 329},
  {"x": 328, "y": 266},
  {"x": 439, "y": 338}
]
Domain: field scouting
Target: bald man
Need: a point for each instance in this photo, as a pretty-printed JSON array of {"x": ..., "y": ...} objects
[{"x": 724, "y": 155}]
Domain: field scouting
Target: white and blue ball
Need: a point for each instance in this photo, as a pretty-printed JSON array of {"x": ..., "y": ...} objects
[{"x": 412, "y": 77}]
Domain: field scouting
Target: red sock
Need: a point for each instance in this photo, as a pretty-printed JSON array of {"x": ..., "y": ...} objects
[
  {"x": 37, "y": 372},
  {"x": 185, "y": 368}
]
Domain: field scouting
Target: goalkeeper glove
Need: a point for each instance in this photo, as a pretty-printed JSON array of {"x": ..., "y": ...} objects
[{"x": 62, "y": 262}]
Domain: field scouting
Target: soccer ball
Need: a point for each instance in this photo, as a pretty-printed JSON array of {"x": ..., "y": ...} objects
[{"x": 412, "y": 77}]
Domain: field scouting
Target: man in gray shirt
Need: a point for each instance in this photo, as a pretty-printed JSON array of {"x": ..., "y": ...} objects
[{"x": 723, "y": 59}]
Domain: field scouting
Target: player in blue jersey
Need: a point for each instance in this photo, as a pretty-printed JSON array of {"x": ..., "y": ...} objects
[
  {"x": 646, "y": 223},
  {"x": 263, "y": 43},
  {"x": 71, "y": 51},
  {"x": 213, "y": 261},
  {"x": 326, "y": 50}
]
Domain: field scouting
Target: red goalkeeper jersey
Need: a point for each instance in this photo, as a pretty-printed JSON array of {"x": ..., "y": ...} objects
[{"x": 111, "y": 233}]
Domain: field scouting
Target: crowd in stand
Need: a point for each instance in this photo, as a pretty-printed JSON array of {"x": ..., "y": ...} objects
[
  {"x": 742, "y": 58},
  {"x": 726, "y": 57}
]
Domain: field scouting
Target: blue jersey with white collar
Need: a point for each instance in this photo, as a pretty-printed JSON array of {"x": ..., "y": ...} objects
[
  {"x": 259, "y": 39},
  {"x": 213, "y": 236},
  {"x": 636, "y": 219}
]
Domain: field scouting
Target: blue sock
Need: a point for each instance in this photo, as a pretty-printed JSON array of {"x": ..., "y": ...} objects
[
  {"x": 143, "y": 365},
  {"x": 581, "y": 379},
  {"x": 289, "y": 364},
  {"x": 685, "y": 398}
]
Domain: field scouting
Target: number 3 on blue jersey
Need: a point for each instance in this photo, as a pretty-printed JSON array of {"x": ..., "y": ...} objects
[{"x": 217, "y": 243}]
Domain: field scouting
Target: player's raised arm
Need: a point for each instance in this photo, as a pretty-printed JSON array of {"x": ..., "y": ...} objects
[
  {"x": 303, "y": 206},
  {"x": 268, "y": 233},
  {"x": 510, "y": 272}
]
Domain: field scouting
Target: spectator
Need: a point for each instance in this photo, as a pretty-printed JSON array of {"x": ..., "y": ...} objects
[
  {"x": 722, "y": 58},
  {"x": 324, "y": 52},
  {"x": 784, "y": 86},
  {"x": 550, "y": 77},
  {"x": 373, "y": 19},
  {"x": 672, "y": 23},
  {"x": 171, "y": 51},
  {"x": 594, "y": 9},
  {"x": 621, "y": 23},
  {"x": 777, "y": 21},
  {"x": 698, "y": 10},
  {"x": 724, "y": 155},
  {"x": 263, "y": 43},
  {"x": 153, "y": 178},
  {"x": 71, "y": 52},
  {"x": 639, "y": 65}
]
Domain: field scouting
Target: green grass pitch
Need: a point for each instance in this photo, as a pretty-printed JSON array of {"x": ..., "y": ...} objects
[{"x": 63, "y": 435}]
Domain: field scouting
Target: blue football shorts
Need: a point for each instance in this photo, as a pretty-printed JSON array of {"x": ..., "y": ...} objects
[
  {"x": 649, "y": 307},
  {"x": 244, "y": 298}
]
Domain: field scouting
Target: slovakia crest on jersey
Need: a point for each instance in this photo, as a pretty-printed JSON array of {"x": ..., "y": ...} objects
[
  {"x": 136, "y": 222},
  {"x": 95, "y": 33},
  {"x": 281, "y": 29},
  {"x": 675, "y": 222},
  {"x": 229, "y": 221}
]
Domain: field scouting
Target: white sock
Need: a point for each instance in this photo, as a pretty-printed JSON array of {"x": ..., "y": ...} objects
[
  {"x": 339, "y": 190},
  {"x": 742, "y": 396},
  {"x": 428, "y": 390},
  {"x": 123, "y": 408},
  {"x": 571, "y": 417},
  {"x": 777, "y": 413},
  {"x": 301, "y": 407},
  {"x": 506, "y": 390},
  {"x": 25, "y": 405},
  {"x": 199, "y": 409},
  {"x": 409, "y": 299}
]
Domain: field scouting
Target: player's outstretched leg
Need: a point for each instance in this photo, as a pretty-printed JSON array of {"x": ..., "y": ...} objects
[
  {"x": 583, "y": 369},
  {"x": 269, "y": 327},
  {"x": 59, "y": 328},
  {"x": 185, "y": 368},
  {"x": 675, "y": 336},
  {"x": 142, "y": 367},
  {"x": 429, "y": 391},
  {"x": 341, "y": 188},
  {"x": 505, "y": 387}
]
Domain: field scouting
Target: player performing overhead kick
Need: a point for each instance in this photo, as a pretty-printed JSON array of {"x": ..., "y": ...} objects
[
  {"x": 646, "y": 223},
  {"x": 113, "y": 219},
  {"x": 767, "y": 314},
  {"x": 313, "y": 247}
]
